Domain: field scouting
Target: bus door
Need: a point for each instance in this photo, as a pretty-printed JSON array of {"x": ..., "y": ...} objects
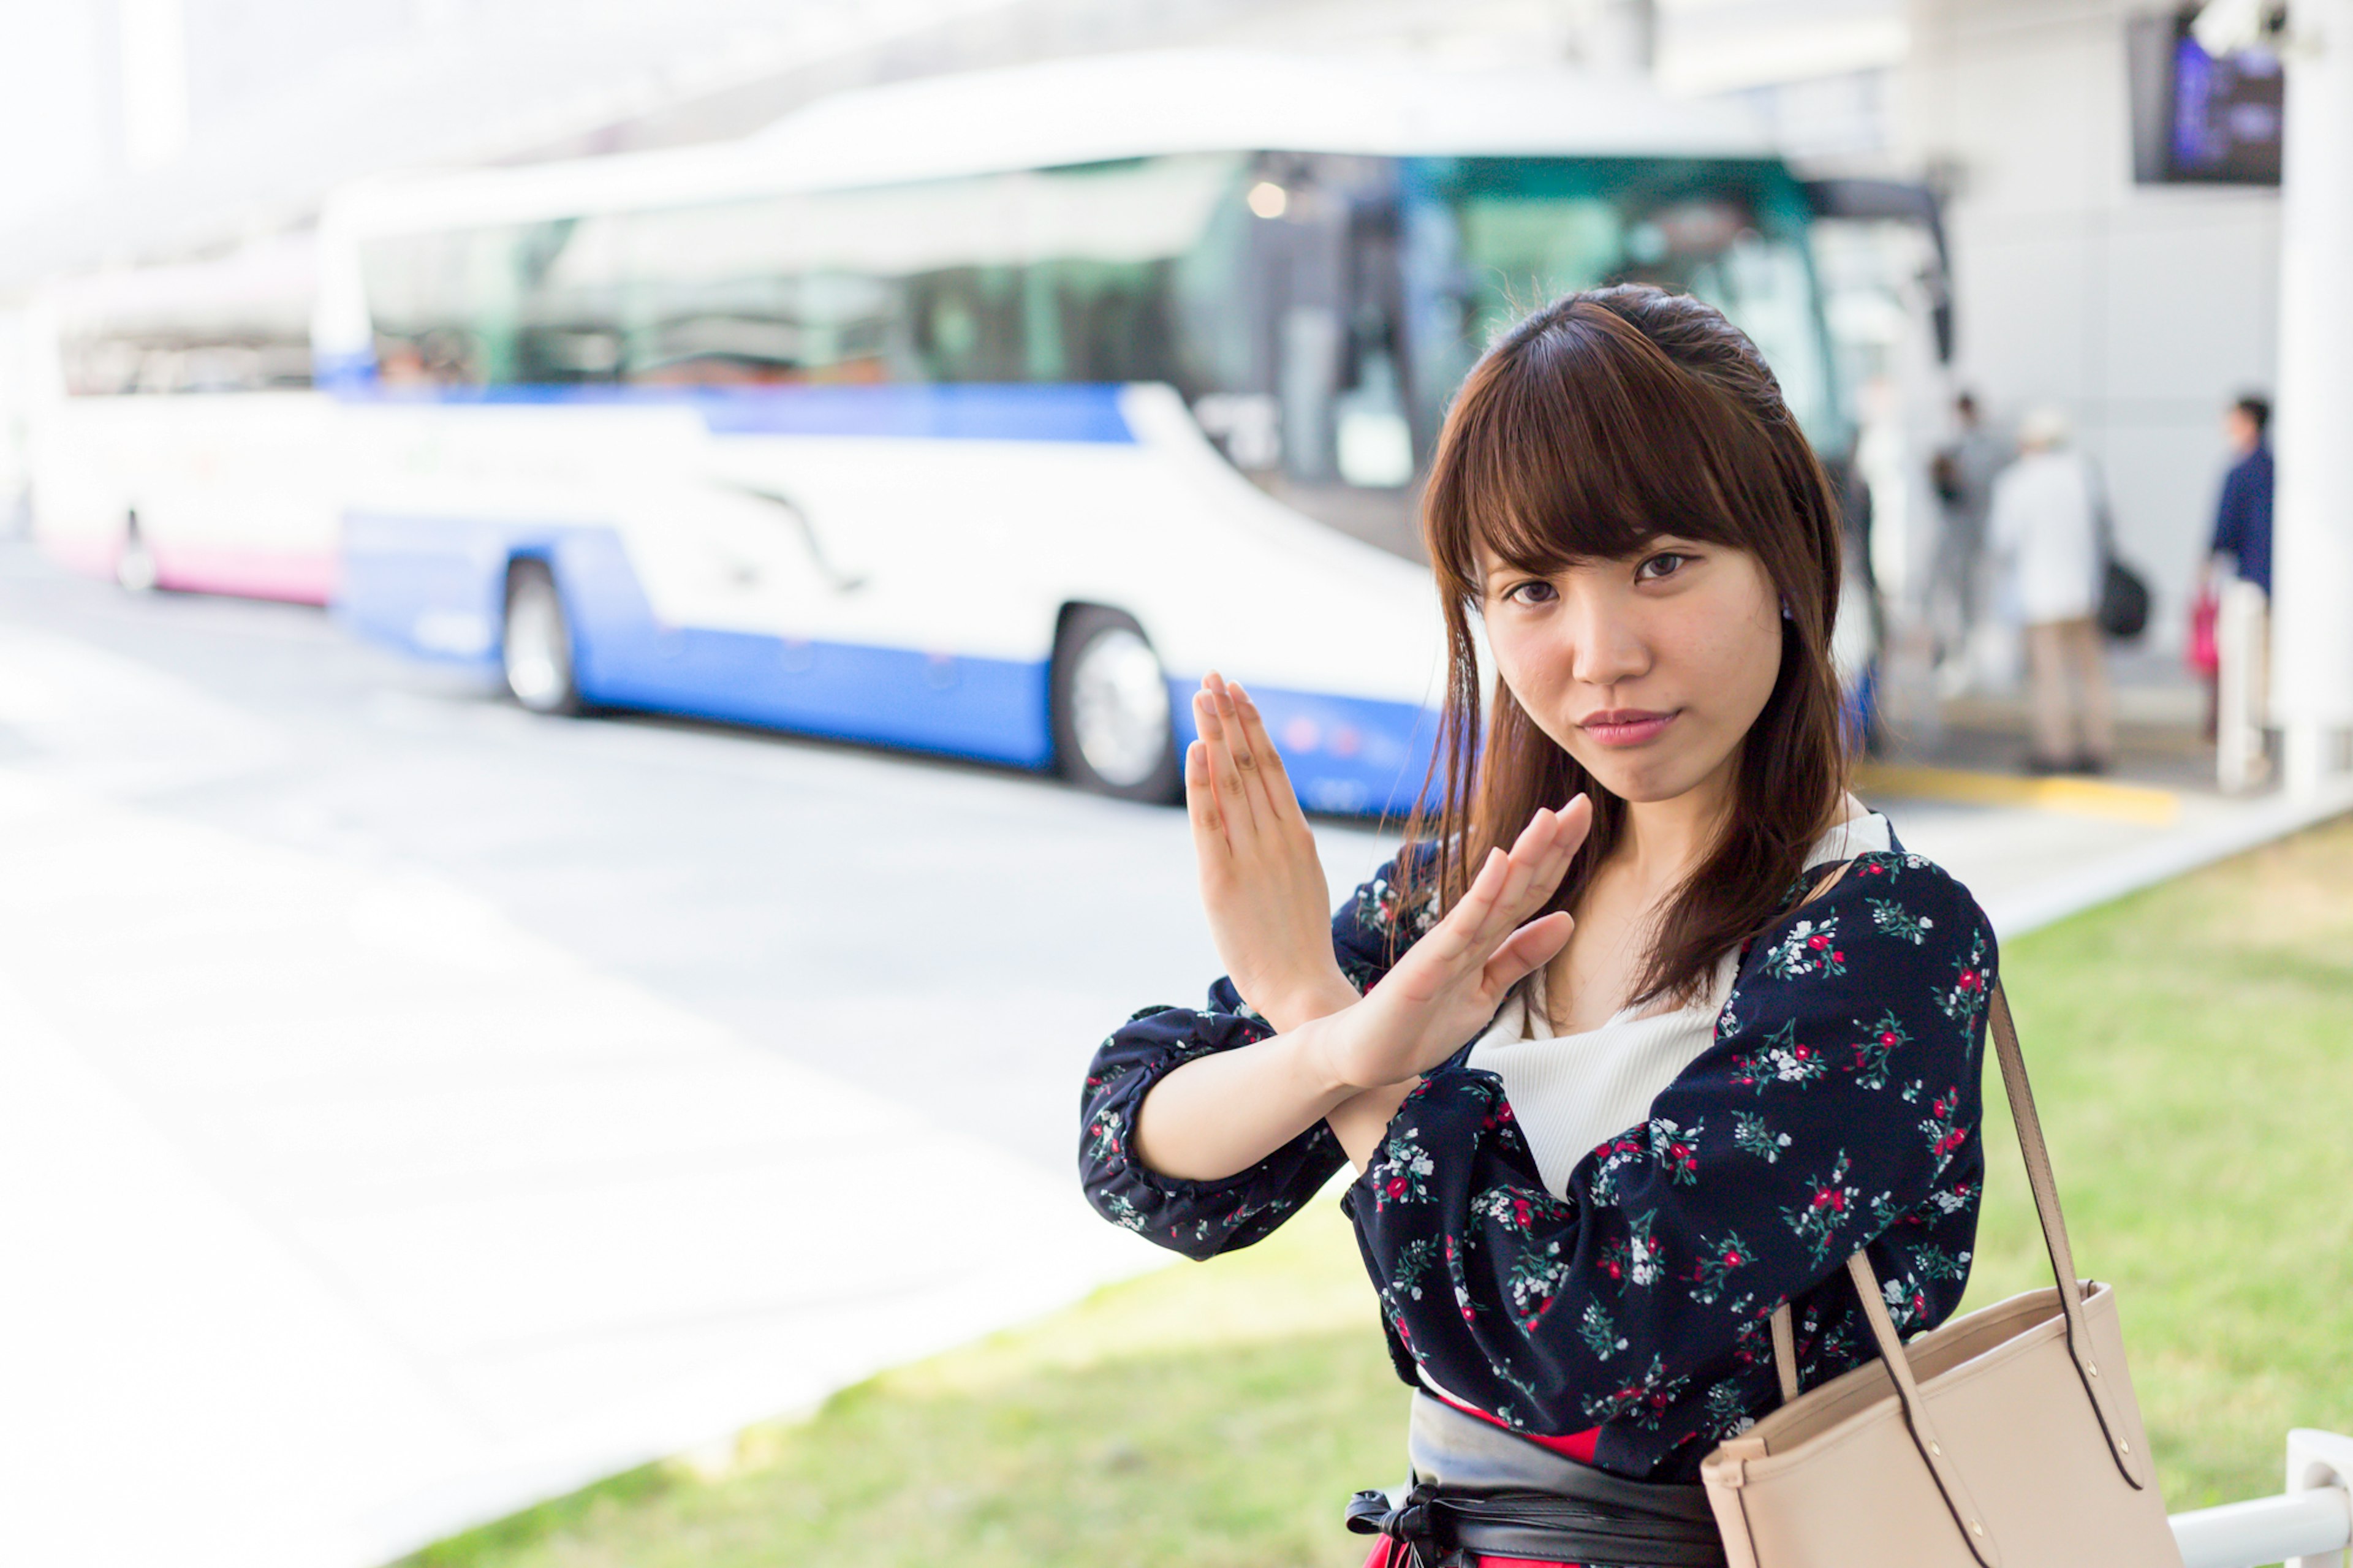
[
  {"x": 1325, "y": 292},
  {"x": 1879, "y": 251}
]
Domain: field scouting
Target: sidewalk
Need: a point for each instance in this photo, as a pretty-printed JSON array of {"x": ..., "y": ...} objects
[
  {"x": 2035, "y": 850},
  {"x": 343, "y": 1214}
]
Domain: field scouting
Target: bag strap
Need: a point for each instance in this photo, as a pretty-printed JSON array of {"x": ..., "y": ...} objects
[
  {"x": 1785, "y": 1335},
  {"x": 2029, "y": 1125},
  {"x": 1966, "y": 1513},
  {"x": 2037, "y": 1153}
]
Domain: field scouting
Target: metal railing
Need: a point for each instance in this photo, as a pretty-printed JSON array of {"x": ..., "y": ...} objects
[{"x": 2310, "y": 1525}]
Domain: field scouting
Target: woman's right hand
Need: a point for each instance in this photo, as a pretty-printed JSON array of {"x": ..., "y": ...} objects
[
  {"x": 1447, "y": 985},
  {"x": 1344, "y": 1059},
  {"x": 1261, "y": 881}
]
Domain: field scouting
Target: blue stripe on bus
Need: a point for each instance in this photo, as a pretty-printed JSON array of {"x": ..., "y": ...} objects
[
  {"x": 435, "y": 587},
  {"x": 954, "y": 412},
  {"x": 1081, "y": 413},
  {"x": 989, "y": 709},
  {"x": 1351, "y": 756},
  {"x": 343, "y": 373}
]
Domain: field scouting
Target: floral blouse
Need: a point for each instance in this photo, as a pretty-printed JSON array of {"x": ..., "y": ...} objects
[{"x": 1838, "y": 1107}]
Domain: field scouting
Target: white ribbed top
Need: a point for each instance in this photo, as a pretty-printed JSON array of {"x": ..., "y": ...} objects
[{"x": 1568, "y": 1092}]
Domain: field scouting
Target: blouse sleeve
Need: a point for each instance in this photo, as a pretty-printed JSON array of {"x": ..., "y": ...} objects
[
  {"x": 1837, "y": 1107},
  {"x": 1201, "y": 1219}
]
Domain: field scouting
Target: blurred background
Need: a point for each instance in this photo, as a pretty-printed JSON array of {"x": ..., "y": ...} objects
[{"x": 595, "y": 609}]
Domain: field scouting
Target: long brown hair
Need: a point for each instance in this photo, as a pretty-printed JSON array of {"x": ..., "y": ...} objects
[{"x": 1605, "y": 419}]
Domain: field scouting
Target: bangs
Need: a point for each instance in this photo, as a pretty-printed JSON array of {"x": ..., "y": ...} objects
[{"x": 1585, "y": 443}]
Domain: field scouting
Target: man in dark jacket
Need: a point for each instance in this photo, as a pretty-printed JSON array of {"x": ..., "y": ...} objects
[
  {"x": 2242, "y": 532},
  {"x": 2242, "y": 522}
]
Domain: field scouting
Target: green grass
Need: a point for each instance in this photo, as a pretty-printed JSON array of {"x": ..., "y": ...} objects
[{"x": 2193, "y": 1057}]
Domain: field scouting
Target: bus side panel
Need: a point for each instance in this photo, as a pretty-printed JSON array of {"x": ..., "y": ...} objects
[
  {"x": 972, "y": 543},
  {"x": 436, "y": 587},
  {"x": 987, "y": 709},
  {"x": 1353, "y": 756},
  {"x": 235, "y": 492},
  {"x": 428, "y": 586}
]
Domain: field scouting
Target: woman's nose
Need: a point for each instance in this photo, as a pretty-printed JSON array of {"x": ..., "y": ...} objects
[{"x": 1606, "y": 646}]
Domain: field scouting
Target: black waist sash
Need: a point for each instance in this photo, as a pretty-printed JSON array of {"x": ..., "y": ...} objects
[{"x": 1479, "y": 1490}]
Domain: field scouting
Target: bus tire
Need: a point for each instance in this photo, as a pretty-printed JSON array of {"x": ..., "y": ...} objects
[
  {"x": 535, "y": 644},
  {"x": 1112, "y": 729}
]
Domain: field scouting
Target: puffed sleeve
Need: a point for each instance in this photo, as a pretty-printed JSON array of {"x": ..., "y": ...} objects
[
  {"x": 1837, "y": 1107},
  {"x": 1201, "y": 1219}
]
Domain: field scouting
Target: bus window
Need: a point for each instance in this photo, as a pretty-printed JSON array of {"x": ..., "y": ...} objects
[
  {"x": 443, "y": 305},
  {"x": 1076, "y": 274},
  {"x": 236, "y": 323},
  {"x": 1489, "y": 239}
]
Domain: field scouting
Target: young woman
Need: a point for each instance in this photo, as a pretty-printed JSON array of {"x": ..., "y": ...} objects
[{"x": 1650, "y": 1025}]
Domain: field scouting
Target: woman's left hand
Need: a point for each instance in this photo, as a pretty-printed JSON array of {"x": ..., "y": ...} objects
[{"x": 1261, "y": 882}]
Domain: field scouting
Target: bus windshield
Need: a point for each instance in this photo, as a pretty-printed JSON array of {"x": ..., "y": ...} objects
[{"x": 1488, "y": 239}]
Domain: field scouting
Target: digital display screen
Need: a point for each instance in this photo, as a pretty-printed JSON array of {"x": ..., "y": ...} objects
[{"x": 2225, "y": 121}]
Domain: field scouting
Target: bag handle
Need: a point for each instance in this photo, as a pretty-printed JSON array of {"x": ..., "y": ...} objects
[
  {"x": 1915, "y": 1415},
  {"x": 2037, "y": 1153}
]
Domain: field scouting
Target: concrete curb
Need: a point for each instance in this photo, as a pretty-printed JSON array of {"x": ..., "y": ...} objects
[{"x": 2244, "y": 828}]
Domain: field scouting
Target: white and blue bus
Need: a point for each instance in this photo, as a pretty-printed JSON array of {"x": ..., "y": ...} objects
[{"x": 983, "y": 414}]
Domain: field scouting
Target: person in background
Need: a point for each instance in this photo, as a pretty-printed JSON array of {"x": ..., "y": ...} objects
[
  {"x": 2243, "y": 535},
  {"x": 1963, "y": 475},
  {"x": 2242, "y": 522},
  {"x": 2043, "y": 526}
]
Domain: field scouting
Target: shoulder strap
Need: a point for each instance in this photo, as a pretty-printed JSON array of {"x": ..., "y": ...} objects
[
  {"x": 1785, "y": 1336},
  {"x": 2055, "y": 1236}
]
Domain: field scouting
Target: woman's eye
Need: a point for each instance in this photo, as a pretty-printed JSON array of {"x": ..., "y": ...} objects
[
  {"x": 1531, "y": 592},
  {"x": 1665, "y": 563}
]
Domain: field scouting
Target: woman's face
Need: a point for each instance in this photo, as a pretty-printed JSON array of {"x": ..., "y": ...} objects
[{"x": 1648, "y": 671}]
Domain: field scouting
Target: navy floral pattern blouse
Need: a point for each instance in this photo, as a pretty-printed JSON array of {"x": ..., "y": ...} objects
[{"x": 1838, "y": 1107}]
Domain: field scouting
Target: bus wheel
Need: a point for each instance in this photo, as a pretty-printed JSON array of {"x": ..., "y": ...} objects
[
  {"x": 1112, "y": 730},
  {"x": 537, "y": 648}
]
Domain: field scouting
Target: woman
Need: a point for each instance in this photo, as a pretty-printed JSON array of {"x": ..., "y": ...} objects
[{"x": 1611, "y": 1094}]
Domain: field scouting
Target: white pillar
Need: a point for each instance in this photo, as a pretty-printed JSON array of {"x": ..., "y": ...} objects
[{"x": 2312, "y": 576}]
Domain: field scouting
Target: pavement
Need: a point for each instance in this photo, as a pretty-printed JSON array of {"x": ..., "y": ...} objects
[
  {"x": 418, "y": 1108},
  {"x": 2036, "y": 850}
]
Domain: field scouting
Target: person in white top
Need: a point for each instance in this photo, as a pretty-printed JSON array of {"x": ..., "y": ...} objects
[{"x": 2044, "y": 526}]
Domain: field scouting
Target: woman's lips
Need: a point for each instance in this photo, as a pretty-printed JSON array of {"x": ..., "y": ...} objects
[{"x": 1625, "y": 726}]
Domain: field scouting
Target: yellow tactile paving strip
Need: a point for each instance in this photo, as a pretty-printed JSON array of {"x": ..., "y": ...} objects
[{"x": 2082, "y": 797}]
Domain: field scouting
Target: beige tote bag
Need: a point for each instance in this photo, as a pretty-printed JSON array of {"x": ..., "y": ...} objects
[{"x": 2008, "y": 1438}]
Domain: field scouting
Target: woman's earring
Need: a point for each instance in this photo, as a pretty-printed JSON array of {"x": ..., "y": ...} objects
[{"x": 1785, "y": 609}]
